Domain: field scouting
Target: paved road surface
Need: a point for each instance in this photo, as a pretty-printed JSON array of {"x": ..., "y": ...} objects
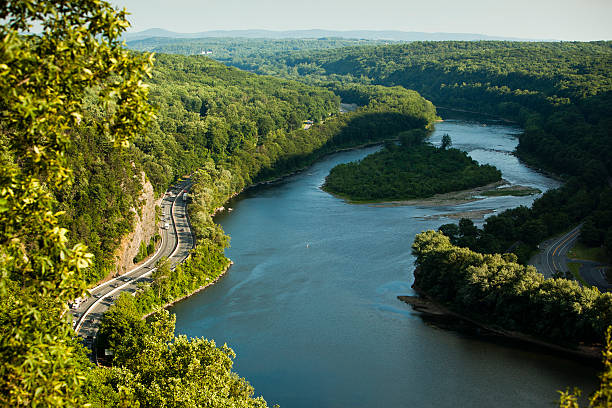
[
  {"x": 176, "y": 243},
  {"x": 594, "y": 274},
  {"x": 553, "y": 258},
  {"x": 553, "y": 253}
]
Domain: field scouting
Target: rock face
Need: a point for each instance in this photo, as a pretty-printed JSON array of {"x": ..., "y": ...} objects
[{"x": 144, "y": 229}]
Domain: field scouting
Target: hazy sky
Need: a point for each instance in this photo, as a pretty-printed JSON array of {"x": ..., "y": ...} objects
[{"x": 542, "y": 19}]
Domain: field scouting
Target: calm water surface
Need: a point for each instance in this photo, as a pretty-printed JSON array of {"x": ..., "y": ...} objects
[{"x": 311, "y": 307}]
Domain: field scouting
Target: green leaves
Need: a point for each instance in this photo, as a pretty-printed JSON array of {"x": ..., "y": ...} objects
[
  {"x": 164, "y": 370},
  {"x": 413, "y": 171},
  {"x": 43, "y": 80},
  {"x": 498, "y": 291}
]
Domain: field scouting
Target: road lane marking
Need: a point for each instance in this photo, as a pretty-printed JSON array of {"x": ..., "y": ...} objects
[
  {"x": 146, "y": 264},
  {"x": 559, "y": 245},
  {"x": 90, "y": 308},
  {"x": 550, "y": 257}
]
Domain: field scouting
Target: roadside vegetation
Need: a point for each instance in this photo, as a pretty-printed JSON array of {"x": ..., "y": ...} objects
[{"x": 585, "y": 253}]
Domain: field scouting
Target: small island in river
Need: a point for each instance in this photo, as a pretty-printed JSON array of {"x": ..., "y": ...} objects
[{"x": 410, "y": 170}]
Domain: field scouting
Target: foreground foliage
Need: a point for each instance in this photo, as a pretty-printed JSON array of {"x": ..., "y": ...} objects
[
  {"x": 75, "y": 86},
  {"x": 153, "y": 368},
  {"x": 602, "y": 397},
  {"x": 43, "y": 80}
]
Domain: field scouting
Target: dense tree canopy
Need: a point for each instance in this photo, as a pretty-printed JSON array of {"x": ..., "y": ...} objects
[
  {"x": 498, "y": 291},
  {"x": 43, "y": 80},
  {"x": 237, "y": 49},
  {"x": 559, "y": 92},
  {"x": 404, "y": 172}
]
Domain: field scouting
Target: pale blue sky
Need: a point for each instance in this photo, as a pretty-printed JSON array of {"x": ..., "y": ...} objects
[{"x": 543, "y": 19}]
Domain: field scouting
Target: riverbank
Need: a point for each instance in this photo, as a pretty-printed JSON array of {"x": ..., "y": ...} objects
[
  {"x": 455, "y": 197},
  {"x": 502, "y": 119},
  {"x": 315, "y": 159},
  {"x": 198, "y": 290},
  {"x": 440, "y": 315},
  {"x": 472, "y": 215}
]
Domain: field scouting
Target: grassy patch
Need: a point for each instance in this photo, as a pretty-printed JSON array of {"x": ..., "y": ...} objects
[
  {"x": 581, "y": 251},
  {"x": 574, "y": 268},
  {"x": 511, "y": 191}
]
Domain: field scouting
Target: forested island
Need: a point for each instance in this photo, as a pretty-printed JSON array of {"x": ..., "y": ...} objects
[
  {"x": 558, "y": 92},
  {"x": 84, "y": 121},
  {"x": 411, "y": 170}
]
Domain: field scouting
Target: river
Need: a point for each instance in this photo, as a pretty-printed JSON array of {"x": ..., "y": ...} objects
[{"x": 310, "y": 305}]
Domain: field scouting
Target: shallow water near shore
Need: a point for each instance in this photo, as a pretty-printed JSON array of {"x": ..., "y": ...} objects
[{"x": 310, "y": 305}]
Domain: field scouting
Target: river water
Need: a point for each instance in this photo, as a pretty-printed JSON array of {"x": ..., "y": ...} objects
[{"x": 310, "y": 305}]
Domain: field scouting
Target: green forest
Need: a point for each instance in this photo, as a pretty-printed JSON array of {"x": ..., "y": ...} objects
[
  {"x": 496, "y": 290},
  {"x": 412, "y": 169},
  {"x": 560, "y": 93},
  {"x": 74, "y": 150},
  {"x": 235, "y": 49},
  {"x": 213, "y": 117},
  {"x": 83, "y": 122}
]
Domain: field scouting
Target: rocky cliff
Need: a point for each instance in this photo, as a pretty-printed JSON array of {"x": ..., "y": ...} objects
[{"x": 144, "y": 229}]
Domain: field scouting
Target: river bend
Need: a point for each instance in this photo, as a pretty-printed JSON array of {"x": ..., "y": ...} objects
[{"x": 310, "y": 305}]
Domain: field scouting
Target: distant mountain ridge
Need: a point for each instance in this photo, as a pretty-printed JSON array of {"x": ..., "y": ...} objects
[{"x": 391, "y": 35}]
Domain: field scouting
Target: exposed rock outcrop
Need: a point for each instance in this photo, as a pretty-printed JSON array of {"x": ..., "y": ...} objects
[{"x": 144, "y": 228}]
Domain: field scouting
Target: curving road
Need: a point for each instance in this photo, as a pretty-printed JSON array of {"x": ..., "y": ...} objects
[
  {"x": 177, "y": 242},
  {"x": 553, "y": 253},
  {"x": 553, "y": 258},
  {"x": 594, "y": 274}
]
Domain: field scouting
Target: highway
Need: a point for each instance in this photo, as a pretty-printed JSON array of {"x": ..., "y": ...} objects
[
  {"x": 553, "y": 253},
  {"x": 177, "y": 242},
  {"x": 553, "y": 257},
  {"x": 556, "y": 253}
]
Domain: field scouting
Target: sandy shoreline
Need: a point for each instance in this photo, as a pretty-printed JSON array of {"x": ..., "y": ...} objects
[
  {"x": 472, "y": 215},
  {"x": 452, "y": 198}
]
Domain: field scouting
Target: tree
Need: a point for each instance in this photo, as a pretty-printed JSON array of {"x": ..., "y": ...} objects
[
  {"x": 170, "y": 371},
  {"x": 43, "y": 80},
  {"x": 468, "y": 233},
  {"x": 451, "y": 231},
  {"x": 411, "y": 138},
  {"x": 602, "y": 397},
  {"x": 161, "y": 274},
  {"x": 446, "y": 141}
]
